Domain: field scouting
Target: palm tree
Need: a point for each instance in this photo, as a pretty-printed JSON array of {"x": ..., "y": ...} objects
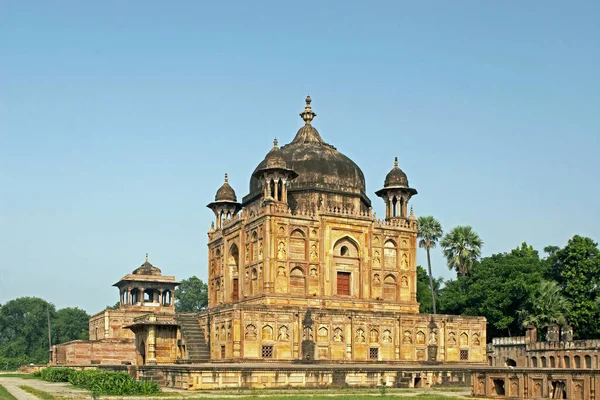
[
  {"x": 430, "y": 231},
  {"x": 462, "y": 247},
  {"x": 548, "y": 306}
]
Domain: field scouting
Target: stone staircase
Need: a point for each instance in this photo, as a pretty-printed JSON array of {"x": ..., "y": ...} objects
[{"x": 195, "y": 342}]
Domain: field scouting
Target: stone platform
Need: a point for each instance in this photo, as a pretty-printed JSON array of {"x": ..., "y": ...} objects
[{"x": 288, "y": 375}]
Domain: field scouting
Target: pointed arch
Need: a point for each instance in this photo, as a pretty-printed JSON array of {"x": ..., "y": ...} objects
[
  {"x": 297, "y": 282},
  {"x": 390, "y": 254},
  {"x": 267, "y": 332},
  {"x": 351, "y": 244},
  {"x": 390, "y": 288},
  {"x": 298, "y": 245}
]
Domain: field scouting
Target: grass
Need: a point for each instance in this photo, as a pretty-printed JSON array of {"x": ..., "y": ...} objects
[
  {"x": 22, "y": 376},
  {"x": 4, "y": 395},
  {"x": 330, "y": 397},
  {"x": 39, "y": 393}
]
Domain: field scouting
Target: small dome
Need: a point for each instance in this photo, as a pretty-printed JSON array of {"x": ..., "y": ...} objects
[
  {"x": 274, "y": 158},
  {"x": 226, "y": 192},
  {"x": 396, "y": 177},
  {"x": 147, "y": 269}
]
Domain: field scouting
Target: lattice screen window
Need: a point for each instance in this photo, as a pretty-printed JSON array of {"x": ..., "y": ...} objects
[
  {"x": 464, "y": 355},
  {"x": 267, "y": 352},
  {"x": 374, "y": 353}
]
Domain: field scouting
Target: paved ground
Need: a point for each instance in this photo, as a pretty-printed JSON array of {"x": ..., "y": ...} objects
[{"x": 67, "y": 391}]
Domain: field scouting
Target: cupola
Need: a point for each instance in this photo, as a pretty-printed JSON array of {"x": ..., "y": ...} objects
[
  {"x": 225, "y": 205},
  {"x": 396, "y": 193}
]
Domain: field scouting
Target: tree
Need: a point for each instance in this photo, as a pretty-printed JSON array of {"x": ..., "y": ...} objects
[
  {"x": 191, "y": 295},
  {"x": 495, "y": 288},
  {"x": 576, "y": 269},
  {"x": 430, "y": 231},
  {"x": 462, "y": 247},
  {"x": 423, "y": 290},
  {"x": 547, "y": 306},
  {"x": 70, "y": 324},
  {"x": 115, "y": 306},
  {"x": 24, "y": 331}
]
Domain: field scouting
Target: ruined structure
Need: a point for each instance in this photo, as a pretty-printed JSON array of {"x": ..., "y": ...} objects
[
  {"x": 144, "y": 292},
  {"x": 558, "y": 350},
  {"x": 556, "y": 368}
]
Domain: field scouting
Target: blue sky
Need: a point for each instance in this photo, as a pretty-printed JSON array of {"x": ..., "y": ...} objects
[{"x": 119, "y": 119}]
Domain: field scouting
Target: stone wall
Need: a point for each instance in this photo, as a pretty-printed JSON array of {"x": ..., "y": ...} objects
[
  {"x": 532, "y": 383},
  {"x": 283, "y": 333},
  {"x": 206, "y": 376},
  {"x": 88, "y": 352},
  {"x": 109, "y": 324}
]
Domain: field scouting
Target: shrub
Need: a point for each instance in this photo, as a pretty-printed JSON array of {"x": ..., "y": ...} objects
[
  {"x": 52, "y": 374},
  {"x": 111, "y": 383}
]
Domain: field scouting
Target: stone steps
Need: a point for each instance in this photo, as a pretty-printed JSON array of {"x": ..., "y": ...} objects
[{"x": 195, "y": 342}]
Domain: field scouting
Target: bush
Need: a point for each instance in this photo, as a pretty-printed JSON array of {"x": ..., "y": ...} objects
[
  {"x": 111, "y": 383},
  {"x": 100, "y": 383},
  {"x": 51, "y": 374}
]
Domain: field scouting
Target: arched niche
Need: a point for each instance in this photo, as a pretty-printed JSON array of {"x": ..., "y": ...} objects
[
  {"x": 390, "y": 288},
  {"x": 390, "y": 254},
  {"x": 297, "y": 282},
  {"x": 298, "y": 245}
]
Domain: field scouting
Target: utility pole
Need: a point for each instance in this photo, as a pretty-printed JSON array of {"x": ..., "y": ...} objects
[{"x": 49, "y": 331}]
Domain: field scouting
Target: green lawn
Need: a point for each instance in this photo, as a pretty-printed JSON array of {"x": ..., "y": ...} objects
[
  {"x": 4, "y": 395},
  {"x": 22, "y": 376},
  {"x": 38, "y": 393},
  {"x": 333, "y": 397}
]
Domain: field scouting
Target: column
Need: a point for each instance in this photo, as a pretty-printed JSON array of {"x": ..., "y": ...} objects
[
  {"x": 284, "y": 190},
  {"x": 151, "y": 359},
  {"x": 141, "y": 294},
  {"x": 160, "y": 297},
  {"x": 129, "y": 295}
]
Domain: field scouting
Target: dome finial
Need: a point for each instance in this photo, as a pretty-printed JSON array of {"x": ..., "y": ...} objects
[
  {"x": 308, "y": 114},
  {"x": 275, "y": 143},
  {"x": 412, "y": 213},
  {"x": 226, "y": 178},
  {"x": 395, "y": 162},
  {"x": 146, "y": 257}
]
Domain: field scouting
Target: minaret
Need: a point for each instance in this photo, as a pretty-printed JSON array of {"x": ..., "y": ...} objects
[
  {"x": 225, "y": 205},
  {"x": 274, "y": 175},
  {"x": 396, "y": 193}
]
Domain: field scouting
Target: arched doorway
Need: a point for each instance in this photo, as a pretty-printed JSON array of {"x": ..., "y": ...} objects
[{"x": 142, "y": 353}]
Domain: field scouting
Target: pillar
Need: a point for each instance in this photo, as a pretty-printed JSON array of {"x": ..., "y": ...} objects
[
  {"x": 129, "y": 295},
  {"x": 160, "y": 297},
  {"x": 141, "y": 294},
  {"x": 284, "y": 191},
  {"x": 151, "y": 358}
]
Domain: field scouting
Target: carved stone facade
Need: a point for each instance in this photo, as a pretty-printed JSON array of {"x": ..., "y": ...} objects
[{"x": 307, "y": 271}]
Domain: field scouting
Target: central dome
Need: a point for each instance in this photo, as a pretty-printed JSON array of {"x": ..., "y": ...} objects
[{"x": 320, "y": 167}]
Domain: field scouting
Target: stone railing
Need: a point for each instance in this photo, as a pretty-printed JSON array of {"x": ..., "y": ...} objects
[
  {"x": 397, "y": 223},
  {"x": 509, "y": 341},
  {"x": 590, "y": 344}
]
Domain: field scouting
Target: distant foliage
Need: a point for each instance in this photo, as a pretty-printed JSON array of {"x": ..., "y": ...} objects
[
  {"x": 424, "y": 292},
  {"x": 24, "y": 330},
  {"x": 191, "y": 295},
  {"x": 576, "y": 270},
  {"x": 462, "y": 248}
]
